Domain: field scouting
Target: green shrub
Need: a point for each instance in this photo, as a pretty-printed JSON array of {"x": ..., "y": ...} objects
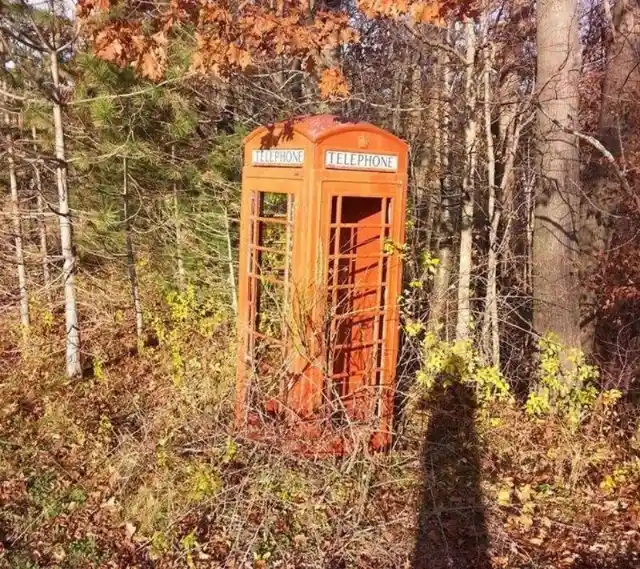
[{"x": 566, "y": 384}]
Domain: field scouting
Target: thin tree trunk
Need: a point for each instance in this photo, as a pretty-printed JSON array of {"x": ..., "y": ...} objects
[
  {"x": 181, "y": 275},
  {"x": 17, "y": 229},
  {"x": 42, "y": 226},
  {"x": 444, "y": 247},
  {"x": 463, "y": 321},
  {"x": 490, "y": 330},
  {"x": 131, "y": 259},
  {"x": 529, "y": 195},
  {"x": 232, "y": 276},
  {"x": 431, "y": 171},
  {"x": 556, "y": 306},
  {"x": 426, "y": 174},
  {"x": 609, "y": 17},
  {"x": 66, "y": 231}
]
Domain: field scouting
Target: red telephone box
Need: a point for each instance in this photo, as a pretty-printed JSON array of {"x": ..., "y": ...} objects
[{"x": 323, "y": 214}]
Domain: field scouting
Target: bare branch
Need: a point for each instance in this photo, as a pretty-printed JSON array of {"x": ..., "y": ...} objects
[{"x": 606, "y": 154}]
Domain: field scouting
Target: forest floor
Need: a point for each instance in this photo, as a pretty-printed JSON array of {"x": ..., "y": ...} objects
[{"x": 136, "y": 465}]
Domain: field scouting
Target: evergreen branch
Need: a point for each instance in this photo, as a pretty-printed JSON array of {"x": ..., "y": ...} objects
[{"x": 132, "y": 93}]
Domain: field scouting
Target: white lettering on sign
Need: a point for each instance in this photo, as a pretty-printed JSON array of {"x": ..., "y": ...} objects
[
  {"x": 278, "y": 157},
  {"x": 360, "y": 161}
]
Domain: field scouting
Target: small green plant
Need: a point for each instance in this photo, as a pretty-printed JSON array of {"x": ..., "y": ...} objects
[
  {"x": 390, "y": 247},
  {"x": 98, "y": 369},
  {"x": 203, "y": 483},
  {"x": 83, "y": 552},
  {"x": 188, "y": 316},
  {"x": 430, "y": 263},
  {"x": 622, "y": 474},
  {"x": 188, "y": 544},
  {"x": 460, "y": 362},
  {"x": 160, "y": 545},
  {"x": 413, "y": 328},
  {"x": 566, "y": 384}
]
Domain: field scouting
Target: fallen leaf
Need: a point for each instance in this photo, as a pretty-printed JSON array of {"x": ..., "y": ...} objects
[{"x": 504, "y": 497}]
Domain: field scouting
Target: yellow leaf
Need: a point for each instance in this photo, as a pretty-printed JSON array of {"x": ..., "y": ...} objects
[
  {"x": 504, "y": 497},
  {"x": 524, "y": 493},
  {"x": 525, "y": 521}
]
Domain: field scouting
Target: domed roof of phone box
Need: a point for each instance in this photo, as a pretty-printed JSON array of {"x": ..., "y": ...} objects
[{"x": 315, "y": 128}]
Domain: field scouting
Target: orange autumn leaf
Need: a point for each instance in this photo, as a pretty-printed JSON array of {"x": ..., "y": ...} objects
[
  {"x": 425, "y": 12},
  {"x": 229, "y": 37},
  {"x": 418, "y": 11},
  {"x": 333, "y": 84}
]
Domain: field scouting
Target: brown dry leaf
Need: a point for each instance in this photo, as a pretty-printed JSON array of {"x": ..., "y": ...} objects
[
  {"x": 110, "y": 503},
  {"x": 300, "y": 540},
  {"x": 150, "y": 66},
  {"x": 160, "y": 38},
  {"x": 309, "y": 64},
  {"x": 525, "y": 521},
  {"x": 524, "y": 493},
  {"x": 129, "y": 529},
  {"x": 244, "y": 59},
  {"x": 108, "y": 47}
]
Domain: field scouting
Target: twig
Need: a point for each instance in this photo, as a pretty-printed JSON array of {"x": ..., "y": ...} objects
[{"x": 607, "y": 155}]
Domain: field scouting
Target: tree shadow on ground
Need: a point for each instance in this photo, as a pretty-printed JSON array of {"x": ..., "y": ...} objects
[{"x": 452, "y": 532}]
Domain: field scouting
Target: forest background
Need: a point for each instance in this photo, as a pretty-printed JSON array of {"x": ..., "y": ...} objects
[{"x": 122, "y": 126}]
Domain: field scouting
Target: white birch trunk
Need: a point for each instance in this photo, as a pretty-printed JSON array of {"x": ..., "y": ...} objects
[
  {"x": 66, "y": 231},
  {"x": 181, "y": 275},
  {"x": 490, "y": 330},
  {"x": 131, "y": 259},
  {"x": 17, "y": 230},
  {"x": 463, "y": 321},
  {"x": 42, "y": 226}
]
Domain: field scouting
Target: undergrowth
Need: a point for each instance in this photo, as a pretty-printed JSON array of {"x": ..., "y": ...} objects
[{"x": 136, "y": 464}]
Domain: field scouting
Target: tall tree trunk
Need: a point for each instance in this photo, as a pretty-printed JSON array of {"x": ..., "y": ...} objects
[
  {"x": 490, "y": 330},
  {"x": 426, "y": 161},
  {"x": 444, "y": 245},
  {"x": 555, "y": 282},
  {"x": 618, "y": 116},
  {"x": 17, "y": 228},
  {"x": 181, "y": 275},
  {"x": 428, "y": 168},
  {"x": 463, "y": 322},
  {"x": 66, "y": 230},
  {"x": 131, "y": 259},
  {"x": 42, "y": 225}
]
